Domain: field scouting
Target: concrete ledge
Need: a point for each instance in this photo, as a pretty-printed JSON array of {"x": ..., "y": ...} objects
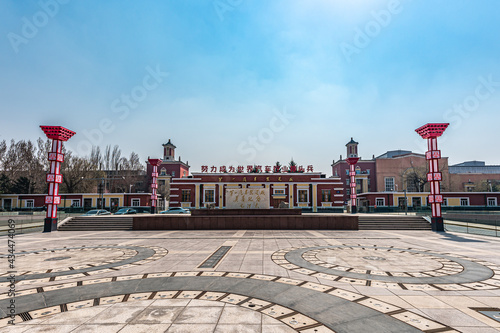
[
  {"x": 240, "y": 222},
  {"x": 219, "y": 212}
]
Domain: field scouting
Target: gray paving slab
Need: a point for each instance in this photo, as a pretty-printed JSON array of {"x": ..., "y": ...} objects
[{"x": 332, "y": 311}]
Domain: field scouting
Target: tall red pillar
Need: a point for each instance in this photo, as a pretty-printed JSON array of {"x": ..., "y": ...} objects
[
  {"x": 155, "y": 163},
  {"x": 431, "y": 132},
  {"x": 352, "y": 175},
  {"x": 58, "y": 134}
]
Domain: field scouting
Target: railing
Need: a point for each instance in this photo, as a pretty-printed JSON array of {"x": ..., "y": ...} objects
[
  {"x": 27, "y": 223},
  {"x": 486, "y": 228}
]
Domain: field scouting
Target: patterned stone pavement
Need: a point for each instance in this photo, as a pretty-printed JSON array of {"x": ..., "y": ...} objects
[{"x": 252, "y": 281}]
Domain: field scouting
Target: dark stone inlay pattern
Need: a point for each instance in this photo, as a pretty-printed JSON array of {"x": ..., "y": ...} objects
[
  {"x": 216, "y": 257},
  {"x": 473, "y": 272},
  {"x": 57, "y": 259},
  {"x": 324, "y": 308},
  {"x": 142, "y": 254},
  {"x": 374, "y": 258}
]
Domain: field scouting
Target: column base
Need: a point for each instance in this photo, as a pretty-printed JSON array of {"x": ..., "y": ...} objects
[
  {"x": 437, "y": 224},
  {"x": 354, "y": 209},
  {"x": 153, "y": 210},
  {"x": 50, "y": 224}
]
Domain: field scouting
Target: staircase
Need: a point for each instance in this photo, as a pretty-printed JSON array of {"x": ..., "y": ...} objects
[
  {"x": 89, "y": 223},
  {"x": 392, "y": 222}
]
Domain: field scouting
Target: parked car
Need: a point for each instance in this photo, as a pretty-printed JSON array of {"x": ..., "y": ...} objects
[
  {"x": 96, "y": 212},
  {"x": 176, "y": 210},
  {"x": 125, "y": 211}
]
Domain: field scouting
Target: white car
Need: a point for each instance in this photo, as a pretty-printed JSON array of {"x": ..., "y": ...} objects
[
  {"x": 96, "y": 212},
  {"x": 176, "y": 210}
]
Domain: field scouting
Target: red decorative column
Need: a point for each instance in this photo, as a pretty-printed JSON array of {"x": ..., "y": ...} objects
[
  {"x": 431, "y": 132},
  {"x": 352, "y": 175},
  {"x": 155, "y": 163},
  {"x": 58, "y": 134}
]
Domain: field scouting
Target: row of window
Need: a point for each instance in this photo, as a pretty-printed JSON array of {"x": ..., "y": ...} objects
[
  {"x": 30, "y": 203},
  {"x": 492, "y": 202},
  {"x": 303, "y": 195}
]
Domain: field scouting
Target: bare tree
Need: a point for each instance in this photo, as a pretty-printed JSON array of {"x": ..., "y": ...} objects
[
  {"x": 96, "y": 157},
  {"x": 76, "y": 174}
]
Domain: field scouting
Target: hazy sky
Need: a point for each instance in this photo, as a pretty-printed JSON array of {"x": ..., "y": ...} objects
[{"x": 239, "y": 82}]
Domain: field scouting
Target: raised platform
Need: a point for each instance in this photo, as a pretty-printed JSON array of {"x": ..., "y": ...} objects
[
  {"x": 247, "y": 222},
  {"x": 224, "y": 212}
]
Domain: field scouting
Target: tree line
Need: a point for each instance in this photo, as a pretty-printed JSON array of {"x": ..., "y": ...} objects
[{"x": 24, "y": 165}]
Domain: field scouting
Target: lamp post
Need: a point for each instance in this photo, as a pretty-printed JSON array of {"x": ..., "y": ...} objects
[
  {"x": 58, "y": 134},
  {"x": 406, "y": 203},
  {"x": 155, "y": 163},
  {"x": 352, "y": 175},
  {"x": 431, "y": 132}
]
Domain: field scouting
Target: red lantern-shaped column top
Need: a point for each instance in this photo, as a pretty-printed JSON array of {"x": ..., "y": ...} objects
[
  {"x": 57, "y": 132},
  {"x": 432, "y": 130}
]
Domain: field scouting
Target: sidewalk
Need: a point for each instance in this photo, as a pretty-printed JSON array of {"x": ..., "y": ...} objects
[{"x": 253, "y": 281}]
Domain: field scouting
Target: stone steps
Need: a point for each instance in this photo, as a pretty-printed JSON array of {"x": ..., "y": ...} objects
[
  {"x": 397, "y": 222},
  {"x": 88, "y": 223}
]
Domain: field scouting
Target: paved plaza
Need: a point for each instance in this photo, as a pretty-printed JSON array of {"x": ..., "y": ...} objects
[{"x": 253, "y": 281}]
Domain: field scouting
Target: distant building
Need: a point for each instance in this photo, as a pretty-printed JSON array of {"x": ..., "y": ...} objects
[
  {"x": 473, "y": 176},
  {"x": 168, "y": 169},
  {"x": 309, "y": 190},
  {"x": 365, "y": 182}
]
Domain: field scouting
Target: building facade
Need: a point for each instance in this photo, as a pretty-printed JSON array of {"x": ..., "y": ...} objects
[
  {"x": 308, "y": 190},
  {"x": 168, "y": 169},
  {"x": 418, "y": 200},
  {"x": 86, "y": 201}
]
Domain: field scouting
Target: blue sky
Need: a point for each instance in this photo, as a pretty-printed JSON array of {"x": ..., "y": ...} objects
[{"x": 238, "y": 82}]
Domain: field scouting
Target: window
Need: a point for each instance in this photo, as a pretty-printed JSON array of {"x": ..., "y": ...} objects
[
  {"x": 389, "y": 184},
  {"x": 75, "y": 202},
  {"x": 492, "y": 202},
  {"x": 380, "y": 202},
  {"x": 136, "y": 202},
  {"x": 161, "y": 182},
  {"x": 30, "y": 203},
  {"x": 348, "y": 191},
  {"x": 464, "y": 201},
  {"x": 186, "y": 196},
  {"x": 445, "y": 201},
  {"x": 209, "y": 195},
  {"x": 303, "y": 195},
  {"x": 416, "y": 202},
  {"x": 347, "y": 181},
  {"x": 326, "y": 195},
  {"x": 279, "y": 191},
  {"x": 163, "y": 172},
  {"x": 173, "y": 173}
]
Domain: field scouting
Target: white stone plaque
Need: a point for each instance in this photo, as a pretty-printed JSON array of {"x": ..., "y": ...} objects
[{"x": 245, "y": 198}]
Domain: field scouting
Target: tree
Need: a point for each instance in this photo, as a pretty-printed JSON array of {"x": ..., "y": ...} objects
[
  {"x": 23, "y": 185},
  {"x": 76, "y": 174},
  {"x": 415, "y": 178},
  {"x": 5, "y": 184},
  {"x": 277, "y": 167}
]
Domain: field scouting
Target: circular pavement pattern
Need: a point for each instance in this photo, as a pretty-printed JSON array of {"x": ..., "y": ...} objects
[
  {"x": 77, "y": 262},
  {"x": 301, "y": 305},
  {"x": 390, "y": 267}
]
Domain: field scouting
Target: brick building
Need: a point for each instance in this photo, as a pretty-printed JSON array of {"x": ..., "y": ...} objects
[{"x": 308, "y": 190}]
